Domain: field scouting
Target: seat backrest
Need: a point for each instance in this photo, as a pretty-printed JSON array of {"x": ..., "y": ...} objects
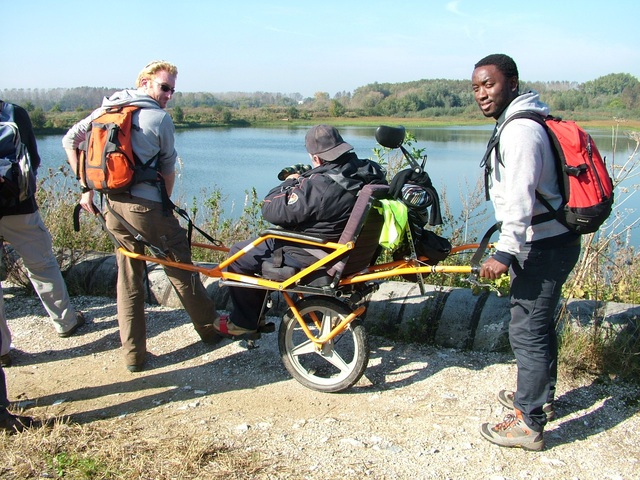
[{"x": 364, "y": 226}]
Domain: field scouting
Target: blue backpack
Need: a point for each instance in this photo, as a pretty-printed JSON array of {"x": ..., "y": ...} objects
[{"x": 15, "y": 163}]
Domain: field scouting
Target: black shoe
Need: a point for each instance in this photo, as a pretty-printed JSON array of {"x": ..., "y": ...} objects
[
  {"x": 135, "y": 368},
  {"x": 80, "y": 322},
  {"x": 16, "y": 423},
  {"x": 267, "y": 327},
  {"x": 5, "y": 360}
]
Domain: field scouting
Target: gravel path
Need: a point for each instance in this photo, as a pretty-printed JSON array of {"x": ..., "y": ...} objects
[{"x": 415, "y": 414}]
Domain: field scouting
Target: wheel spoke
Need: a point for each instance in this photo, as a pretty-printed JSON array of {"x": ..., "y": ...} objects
[
  {"x": 304, "y": 348},
  {"x": 325, "y": 328},
  {"x": 334, "y": 358}
]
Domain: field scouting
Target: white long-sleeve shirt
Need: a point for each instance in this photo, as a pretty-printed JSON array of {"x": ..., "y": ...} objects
[{"x": 527, "y": 164}]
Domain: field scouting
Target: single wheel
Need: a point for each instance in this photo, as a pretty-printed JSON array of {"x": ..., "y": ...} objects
[{"x": 339, "y": 363}]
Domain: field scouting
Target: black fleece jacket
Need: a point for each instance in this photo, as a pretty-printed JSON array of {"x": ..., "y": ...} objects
[{"x": 320, "y": 201}]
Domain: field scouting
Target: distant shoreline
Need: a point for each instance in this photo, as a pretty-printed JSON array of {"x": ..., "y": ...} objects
[{"x": 375, "y": 121}]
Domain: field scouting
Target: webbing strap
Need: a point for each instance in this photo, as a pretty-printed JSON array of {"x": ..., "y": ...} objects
[
  {"x": 477, "y": 256},
  {"x": 191, "y": 226}
]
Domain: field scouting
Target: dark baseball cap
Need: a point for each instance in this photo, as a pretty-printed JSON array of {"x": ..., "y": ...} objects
[{"x": 325, "y": 141}]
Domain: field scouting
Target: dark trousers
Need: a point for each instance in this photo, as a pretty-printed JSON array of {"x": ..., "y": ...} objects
[
  {"x": 4, "y": 400},
  {"x": 537, "y": 277},
  {"x": 247, "y": 302}
]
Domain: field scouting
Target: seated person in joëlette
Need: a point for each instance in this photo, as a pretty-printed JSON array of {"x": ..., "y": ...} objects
[{"x": 316, "y": 202}]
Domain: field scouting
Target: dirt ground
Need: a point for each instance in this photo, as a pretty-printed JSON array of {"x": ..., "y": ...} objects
[{"x": 415, "y": 414}]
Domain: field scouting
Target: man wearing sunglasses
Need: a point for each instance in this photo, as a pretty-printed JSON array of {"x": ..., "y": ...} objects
[{"x": 142, "y": 208}]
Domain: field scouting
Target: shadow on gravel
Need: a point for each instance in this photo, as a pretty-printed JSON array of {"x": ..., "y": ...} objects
[
  {"x": 613, "y": 409},
  {"x": 177, "y": 385},
  {"x": 391, "y": 366},
  {"x": 395, "y": 364}
]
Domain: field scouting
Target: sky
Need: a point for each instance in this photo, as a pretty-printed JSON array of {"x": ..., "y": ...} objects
[{"x": 290, "y": 46}]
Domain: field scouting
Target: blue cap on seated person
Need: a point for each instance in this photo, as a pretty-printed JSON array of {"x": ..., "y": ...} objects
[{"x": 326, "y": 142}]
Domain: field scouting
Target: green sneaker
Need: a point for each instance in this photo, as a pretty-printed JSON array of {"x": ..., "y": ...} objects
[
  {"x": 505, "y": 397},
  {"x": 513, "y": 432}
]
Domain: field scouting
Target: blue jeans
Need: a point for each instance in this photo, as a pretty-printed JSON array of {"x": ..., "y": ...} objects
[{"x": 537, "y": 277}]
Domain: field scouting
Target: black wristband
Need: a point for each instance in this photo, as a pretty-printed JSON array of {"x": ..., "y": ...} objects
[{"x": 85, "y": 189}]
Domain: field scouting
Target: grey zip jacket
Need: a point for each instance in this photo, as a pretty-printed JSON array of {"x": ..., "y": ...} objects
[
  {"x": 527, "y": 164},
  {"x": 155, "y": 136}
]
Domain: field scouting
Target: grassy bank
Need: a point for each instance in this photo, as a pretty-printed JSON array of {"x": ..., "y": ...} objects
[{"x": 59, "y": 122}]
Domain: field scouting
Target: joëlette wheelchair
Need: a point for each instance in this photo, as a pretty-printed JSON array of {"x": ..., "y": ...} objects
[{"x": 322, "y": 338}]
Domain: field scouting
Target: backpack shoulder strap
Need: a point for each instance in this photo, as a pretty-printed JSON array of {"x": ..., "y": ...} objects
[
  {"x": 6, "y": 112},
  {"x": 541, "y": 120},
  {"x": 495, "y": 140}
]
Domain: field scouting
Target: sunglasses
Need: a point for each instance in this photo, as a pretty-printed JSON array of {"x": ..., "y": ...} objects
[{"x": 164, "y": 87}]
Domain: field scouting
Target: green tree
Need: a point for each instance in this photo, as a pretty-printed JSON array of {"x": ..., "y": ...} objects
[
  {"x": 612, "y": 84},
  {"x": 38, "y": 118},
  {"x": 631, "y": 96},
  {"x": 336, "y": 109},
  {"x": 293, "y": 113},
  {"x": 321, "y": 101},
  {"x": 178, "y": 114}
]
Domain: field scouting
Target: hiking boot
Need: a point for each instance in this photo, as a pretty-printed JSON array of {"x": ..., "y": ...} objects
[
  {"x": 15, "y": 423},
  {"x": 5, "y": 360},
  {"x": 80, "y": 321},
  {"x": 227, "y": 329},
  {"x": 513, "y": 432},
  {"x": 505, "y": 397}
]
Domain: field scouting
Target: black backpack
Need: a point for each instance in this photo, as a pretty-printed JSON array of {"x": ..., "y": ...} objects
[{"x": 15, "y": 163}]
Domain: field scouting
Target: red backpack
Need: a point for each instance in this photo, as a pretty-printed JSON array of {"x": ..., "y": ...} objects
[{"x": 585, "y": 184}]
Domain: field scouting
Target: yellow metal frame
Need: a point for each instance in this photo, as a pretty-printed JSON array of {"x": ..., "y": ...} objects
[{"x": 336, "y": 250}]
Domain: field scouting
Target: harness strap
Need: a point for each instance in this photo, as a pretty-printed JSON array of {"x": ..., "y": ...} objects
[
  {"x": 98, "y": 214},
  {"x": 486, "y": 163},
  {"x": 156, "y": 251},
  {"x": 479, "y": 253},
  {"x": 191, "y": 226}
]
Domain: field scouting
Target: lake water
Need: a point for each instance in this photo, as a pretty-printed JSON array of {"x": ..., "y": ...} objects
[{"x": 238, "y": 159}]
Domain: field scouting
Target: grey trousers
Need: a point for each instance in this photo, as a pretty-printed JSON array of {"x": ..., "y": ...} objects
[{"x": 31, "y": 239}]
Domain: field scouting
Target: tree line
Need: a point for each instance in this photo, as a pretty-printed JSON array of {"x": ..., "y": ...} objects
[{"x": 616, "y": 94}]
